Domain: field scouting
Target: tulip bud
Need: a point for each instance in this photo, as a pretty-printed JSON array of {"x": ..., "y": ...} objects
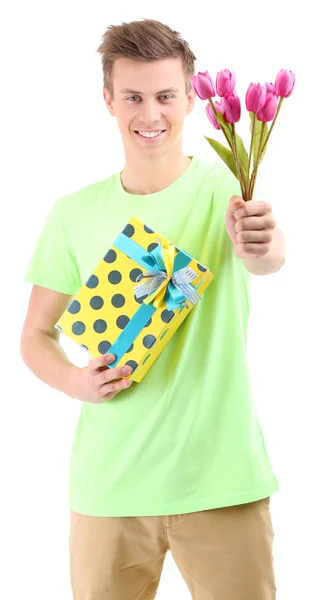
[
  {"x": 219, "y": 108},
  {"x": 255, "y": 97},
  {"x": 211, "y": 116},
  {"x": 271, "y": 88},
  {"x": 225, "y": 83},
  {"x": 269, "y": 109},
  {"x": 285, "y": 82},
  {"x": 231, "y": 108},
  {"x": 203, "y": 85}
]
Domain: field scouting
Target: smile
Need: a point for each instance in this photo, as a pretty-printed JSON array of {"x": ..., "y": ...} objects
[{"x": 150, "y": 135}]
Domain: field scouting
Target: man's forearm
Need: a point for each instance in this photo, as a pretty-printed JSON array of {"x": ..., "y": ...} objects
[{"x": 47, "y": 360}]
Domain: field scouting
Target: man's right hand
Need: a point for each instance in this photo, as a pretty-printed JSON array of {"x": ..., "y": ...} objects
[{"x": 98, "y": 383}]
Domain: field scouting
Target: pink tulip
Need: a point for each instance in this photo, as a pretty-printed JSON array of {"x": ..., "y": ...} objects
[
  {"x": 255, "y": 97},
  {"x": 211, "y": 116},
  {"x": 231, "y": 108},
  {"x": 225, "y": 83},
  {"x": 219, "y": 107},
  {"x": 203, "y": 85},
  {"x": 271, "y": 88},
  {"x": 285, "y": 82},
  {"x": 269, "y": 109}
]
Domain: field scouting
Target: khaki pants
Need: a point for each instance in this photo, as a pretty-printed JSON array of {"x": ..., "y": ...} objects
[{"x": 222, "y": 554}]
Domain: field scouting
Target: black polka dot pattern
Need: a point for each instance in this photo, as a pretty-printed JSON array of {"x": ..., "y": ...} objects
[
  {"x": 134, "y": 273},
  {"x": 110, "y": 291},
  {"x": 110, "y": 256},
  {"x": 148, "y": 341},
  {"x": 133, "y": 364},
  {"x": 129, "y": 230},
  {"x": 122, "y": 321},
  {"x": 74, "y": 307},
  {"x": 100, "y": 326},
  {"x": 92, "y": 282},
  {"x": 140, "y": 300},
  {"x": 114, "y": 277},
  {"x": 167, "y": 315},
  {"x": 78, "y": 328},
  {"x": 104, "y": 346},
  {"x": 118, "y": 300},
  {"x": 96, "y": 302}
]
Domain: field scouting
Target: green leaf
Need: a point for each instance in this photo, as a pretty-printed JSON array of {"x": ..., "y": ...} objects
[
  {"x": 225, "y": 154},
  {"x": 225, "y": 126},
  {"x": 258, "y": 126},
  {"x": 241, "y": 152}
]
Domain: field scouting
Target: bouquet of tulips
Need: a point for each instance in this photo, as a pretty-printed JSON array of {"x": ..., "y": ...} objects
[{"x": 263, "y": 103}]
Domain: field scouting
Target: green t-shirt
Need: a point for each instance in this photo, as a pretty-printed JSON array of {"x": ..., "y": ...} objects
[{"x": 187, "y": 437}]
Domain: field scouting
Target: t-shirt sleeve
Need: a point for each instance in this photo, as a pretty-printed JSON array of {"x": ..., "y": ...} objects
[{"x": 53, "y": 264}]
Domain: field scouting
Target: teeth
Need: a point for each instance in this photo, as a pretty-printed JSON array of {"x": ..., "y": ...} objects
[{"x": 150, "y": 134}]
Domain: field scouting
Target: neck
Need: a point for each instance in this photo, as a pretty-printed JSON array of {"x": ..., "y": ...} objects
[{"x": 147, "y": 176}]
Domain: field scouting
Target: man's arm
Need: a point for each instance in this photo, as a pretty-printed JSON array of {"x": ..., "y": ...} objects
[
  {"x": 39, "y": 344},
  {"x": 273, "y": 260}
]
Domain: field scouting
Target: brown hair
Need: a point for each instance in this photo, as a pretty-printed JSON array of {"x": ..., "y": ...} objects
[{"x": 145, "y": 40}]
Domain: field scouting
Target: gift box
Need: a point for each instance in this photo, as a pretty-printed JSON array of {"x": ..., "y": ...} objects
[{"x": 135, "y": 299}]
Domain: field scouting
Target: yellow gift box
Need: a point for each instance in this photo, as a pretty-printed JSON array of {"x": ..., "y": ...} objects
[{"x": 135, "y": 299}]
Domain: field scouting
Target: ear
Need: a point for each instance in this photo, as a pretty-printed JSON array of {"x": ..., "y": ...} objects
[
  {"x": 109, "y": 101},
  {"x": 191, "y": 97}
]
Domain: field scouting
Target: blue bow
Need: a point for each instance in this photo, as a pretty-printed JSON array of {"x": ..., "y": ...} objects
[{"x": 161, "y": 284}]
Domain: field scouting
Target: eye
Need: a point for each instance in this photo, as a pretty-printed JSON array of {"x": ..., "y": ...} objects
[
  {"x": 167, "y": 96},
  {"x": 130, "y": 97}
]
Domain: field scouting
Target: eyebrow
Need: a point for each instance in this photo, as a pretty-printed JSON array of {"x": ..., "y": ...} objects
[{"x": 129, "y": 91}]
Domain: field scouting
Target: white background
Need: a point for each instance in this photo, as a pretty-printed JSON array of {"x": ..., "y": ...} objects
[{"x": 56, "y": 137}]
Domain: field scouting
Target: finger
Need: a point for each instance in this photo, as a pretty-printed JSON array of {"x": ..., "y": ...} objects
[
  {"x": 262, "y": 222},
  {"x": 114, "y": 386},
  {"x": 259, "y": 236},
  {"x": 235, "y": 204},
  {"x": 110, "y": 396},
  {"x": 111, "y": 374},
  {"x": 254, "y": 249},
  {"x": 252, "y": 207},
  {"x": 101, "y": 361}
]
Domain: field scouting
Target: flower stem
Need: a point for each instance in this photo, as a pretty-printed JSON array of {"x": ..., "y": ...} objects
[
  {"x": 272, "y": 125},
  {"x": 254, "y": 174},
  {"x": 226, "y": 137},
  {"x": 238, "y": 166},
  {"x": 262, "y": 147},
  {"x": 233, "y": 150},
  {"x": 250, "y": 151}
]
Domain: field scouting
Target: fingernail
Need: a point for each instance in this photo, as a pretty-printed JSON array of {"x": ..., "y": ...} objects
[
  {"x": 110, "y": 358},
  {"x": 126, "y": 370}
]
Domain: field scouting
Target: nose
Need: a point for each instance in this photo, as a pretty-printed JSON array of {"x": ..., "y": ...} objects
[{"x": 149, "y": 112}]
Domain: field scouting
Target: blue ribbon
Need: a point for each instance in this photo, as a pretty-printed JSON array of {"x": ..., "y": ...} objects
[{"x": 173, "y": 298}]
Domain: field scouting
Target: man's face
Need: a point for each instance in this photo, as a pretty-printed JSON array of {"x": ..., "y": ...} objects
[{"x": 150, "y": 103}]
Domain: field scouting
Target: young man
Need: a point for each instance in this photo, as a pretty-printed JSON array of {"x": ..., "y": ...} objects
[{"x": 177, "y": 462}]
